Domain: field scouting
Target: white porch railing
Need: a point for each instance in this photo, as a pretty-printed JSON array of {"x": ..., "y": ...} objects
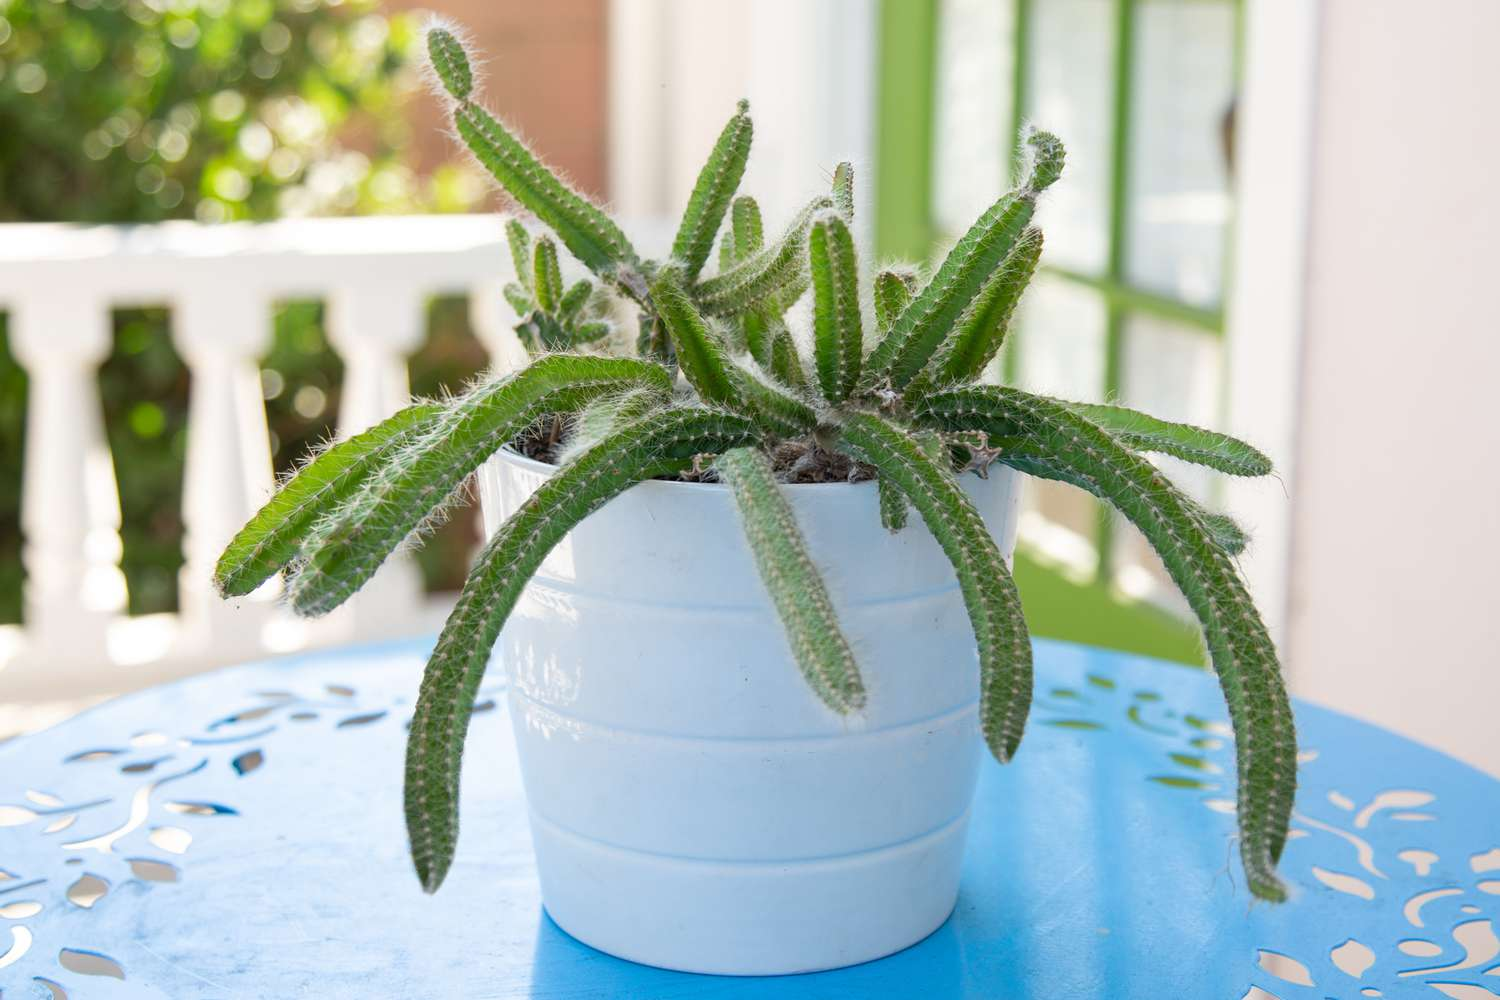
[{"x": 59, "y": 283}]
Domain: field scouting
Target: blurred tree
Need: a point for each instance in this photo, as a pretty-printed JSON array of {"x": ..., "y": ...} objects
[{"x": 137, "y": 111}]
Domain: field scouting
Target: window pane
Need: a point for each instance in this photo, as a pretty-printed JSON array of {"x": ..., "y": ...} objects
[
  {"x": 972, "y": 161},
  {"x": 1069, "y": 84},
  {"x": 1172, "y": 372},
  {"x": 1179, "y": 173},
  {"x": 1061, "y": 347},
  {"x": 1062, "y": 340}
]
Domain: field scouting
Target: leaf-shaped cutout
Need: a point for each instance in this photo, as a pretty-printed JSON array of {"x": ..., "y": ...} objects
[
  {"x": 151, "y": 870},
  {"x": 21, "y": 909},
  {"x": 1083, "y": 724},
  {"x": 1344, "y": 883},
  {"x": 1285, "y": 967},
  {"x": 87, "y": 755},
  {"x": 43, "y": 799},
  {"x": 363, "y": 719},
  {"x": 143, "y": 766},
  {"x": 1353, "y": 958},
  {"x": 89, "y": 963},
  {"x": 171, "y": 838},
  {"x": 20, "y": 944},
  {"x": 248, "y": 761},
  {"x": 61, "y": 823},
  {"x": 15, "y": 815},
  {"x": 54, "y": 990},
  {"x": 201, "y": 809},
  {"x": 88, "y": 890}
]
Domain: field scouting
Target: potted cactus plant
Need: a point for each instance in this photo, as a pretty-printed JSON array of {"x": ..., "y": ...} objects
[{"x": 732, "y": 765}]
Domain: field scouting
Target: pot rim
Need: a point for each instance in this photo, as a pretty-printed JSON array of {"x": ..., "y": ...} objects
[{"x": 531, "y": 464}]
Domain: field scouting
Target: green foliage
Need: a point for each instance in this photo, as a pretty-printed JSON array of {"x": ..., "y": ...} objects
[
  {"x": 756, "y": 421},
  {"x": 120, "y": 112},
  {"x": 135, "y": 112}
]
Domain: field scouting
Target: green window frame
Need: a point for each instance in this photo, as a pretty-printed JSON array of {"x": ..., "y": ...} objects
[{"x": 905, "y": 225}]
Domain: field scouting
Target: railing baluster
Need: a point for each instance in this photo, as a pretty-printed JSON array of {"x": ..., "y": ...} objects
[
  {"x": 70, "y": 507},
  {"x": 375, "y": 328},
  {"x": 221, "y": 331}
]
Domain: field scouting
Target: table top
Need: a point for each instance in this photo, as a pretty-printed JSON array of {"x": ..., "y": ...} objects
[{"x": 239, "y": 834}]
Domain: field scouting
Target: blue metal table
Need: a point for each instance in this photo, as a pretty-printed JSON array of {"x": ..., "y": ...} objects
[{"x": 240, "y": 835}]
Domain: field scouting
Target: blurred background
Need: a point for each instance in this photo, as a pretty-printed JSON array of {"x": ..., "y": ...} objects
[{"x": 1275, "y": 221}]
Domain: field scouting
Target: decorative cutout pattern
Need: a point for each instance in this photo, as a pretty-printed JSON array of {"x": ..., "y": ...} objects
[
  {"x": 1350, "y": 838},
  {"x": 1393, "y": 896}
]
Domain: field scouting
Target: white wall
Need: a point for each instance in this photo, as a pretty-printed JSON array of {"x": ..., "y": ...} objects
[
  {"x": 1394, "y": 607},
  {"x": 677, "y": 67}
]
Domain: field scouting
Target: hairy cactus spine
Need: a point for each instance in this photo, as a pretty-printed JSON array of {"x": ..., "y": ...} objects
[
  {"x": 658, "y": 444},
  {"x": 793, "y": 582}
]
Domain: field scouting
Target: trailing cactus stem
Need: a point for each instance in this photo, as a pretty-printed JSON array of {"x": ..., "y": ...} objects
[
  {"x": 892, "y": 293},
  {"x": 776, "y": 407},
  {"x": 587, "y": 232},
  {"x": 786, "y": 364},
  {"x": 716, "y": 185},
  {"x": 984, "y": 578},
  {"x": 922, "y": 326},
  {"x": 519, "y": 241},
  {"x": 1068, "y": 447},
  {"x": 746, "y": 227},
  {"x": 450, "y": 62},
  {"x": 547, "y": 276},
  {"x": 1143, "y": 432},
  {"x": 797, "y": 591},
  {"x": 347, "y": 547},
  {"x": 838, "y": 337},
  {"x": 698, "y": 351},
  {"x": 274, "y": 536},
  {"x": 893, "y": 506},
  {"x": 770, "y": 273},
  {"x": 659, "y": 444},
  {"x": 843, "y": 190},
  {"x": 980, "y": 331}
]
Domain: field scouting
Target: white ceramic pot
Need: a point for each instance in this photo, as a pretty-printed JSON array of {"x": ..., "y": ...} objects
[{"x": 693, "y": 805}]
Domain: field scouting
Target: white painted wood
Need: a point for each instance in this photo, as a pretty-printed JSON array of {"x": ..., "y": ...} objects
[
  {"x": 70, "y": 512},
  {"x": 221, "y": 329},
  {"x": 374, "y": 330},
  {"x": 678, "y": 66},
  {"x": 638, "y": 122},
  {"x": 1397, "y": 519},
  {"x": 1266, "y": 317},
  {"x": 58, "y": 284}
]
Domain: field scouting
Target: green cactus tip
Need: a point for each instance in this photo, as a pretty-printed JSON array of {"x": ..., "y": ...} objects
[
  {"x": 449, "y": 61},
  {"x": 1045, "y": 151}
]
